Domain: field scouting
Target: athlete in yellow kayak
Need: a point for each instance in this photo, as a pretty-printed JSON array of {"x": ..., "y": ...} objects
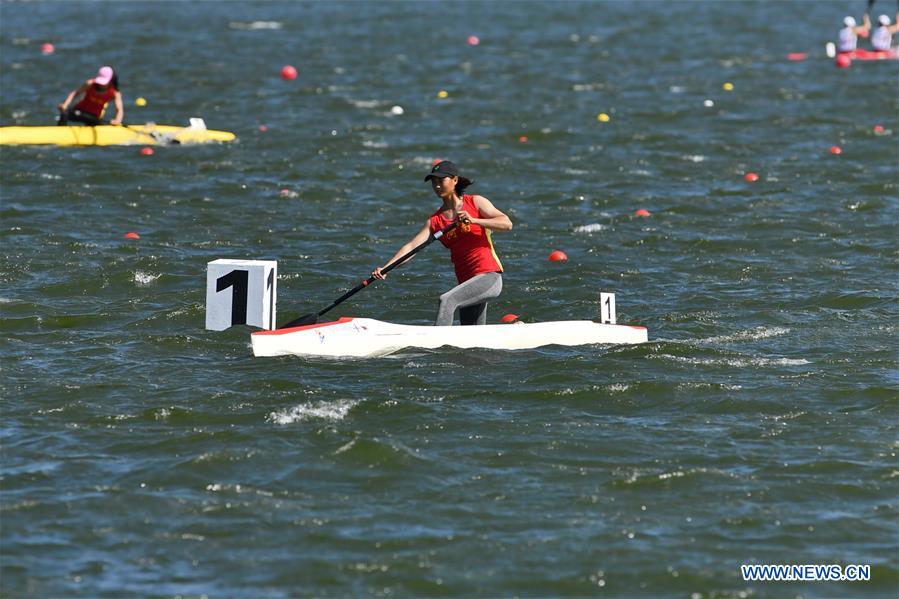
[{"x": 95, "y": 94}]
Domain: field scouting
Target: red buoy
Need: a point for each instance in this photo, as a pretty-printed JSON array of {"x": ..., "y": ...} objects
[
  {"x": 642, "y": 212},
  {"x": 797, "y": 56},
  {"x": 146, "y": 151},
  {"x": 842, "y": 61},
  {"x": 47, "y": 49},
  {"x": 509, "y": 318},
  {"x": 288, "y": 73},
  {"x": 751, "y": 177},
  {"x": 473, "y": 40},
  {"x": 836, "y": 150},
  {"x": 523, "y": 138},
  {"x": 557, "y": 256},
  {"x": 878, "y": 129},
  {"x": 131, "y": 235}
]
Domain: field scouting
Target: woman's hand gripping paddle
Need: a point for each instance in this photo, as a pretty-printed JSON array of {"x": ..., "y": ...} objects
[{"x": 313, "y": 318}]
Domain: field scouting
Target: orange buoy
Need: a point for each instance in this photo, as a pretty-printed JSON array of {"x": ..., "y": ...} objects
[
  {"x": 131, "y": 235},
  {"x": 557, "y": 256},
  {"x": 509, "y": 318},
  {"x": 642, "y": 212}
]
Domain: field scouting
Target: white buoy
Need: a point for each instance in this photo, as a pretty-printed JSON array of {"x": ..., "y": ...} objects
[{"x": 397, "y": 110}]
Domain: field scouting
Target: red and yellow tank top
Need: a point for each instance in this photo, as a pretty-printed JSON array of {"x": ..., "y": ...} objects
[
  {"x": 471, "y": 251},
  {"x": 94, "y": 101}
]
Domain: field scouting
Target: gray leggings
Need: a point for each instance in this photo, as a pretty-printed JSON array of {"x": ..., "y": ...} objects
[{"x": 470, "y": 298}]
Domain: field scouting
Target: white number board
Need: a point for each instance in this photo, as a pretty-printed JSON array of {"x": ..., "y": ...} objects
[
  {"x": 241, "y": 292},
  {"x": 607, "y": 308}
]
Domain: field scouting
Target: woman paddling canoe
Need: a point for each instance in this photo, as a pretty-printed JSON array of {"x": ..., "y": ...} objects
[
  {"x": 96, "y": 94},
  {"x": 477, "y": 266}
]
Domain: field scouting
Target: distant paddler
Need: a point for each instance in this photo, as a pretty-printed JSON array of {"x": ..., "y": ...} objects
[
  {"x": 93, "y": 96},
  {"x": 882, "y": 38},
  {"x": 849, "y": 34},
  {"x": 478, "y": 269}
]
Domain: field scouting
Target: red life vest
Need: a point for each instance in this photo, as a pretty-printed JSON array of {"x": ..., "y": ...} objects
[
  {"x": 471, "y": 251},
  {"x": 94, "y": 101}
]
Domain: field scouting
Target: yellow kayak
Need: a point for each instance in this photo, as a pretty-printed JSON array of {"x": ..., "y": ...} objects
[{"x": 111, "y": 135}]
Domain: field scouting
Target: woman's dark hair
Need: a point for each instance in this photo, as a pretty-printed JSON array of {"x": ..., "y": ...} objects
[{"x": 461, "y": 185}]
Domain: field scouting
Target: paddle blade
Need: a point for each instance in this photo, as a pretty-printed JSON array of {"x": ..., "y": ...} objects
[{"x": 301, "y": 321}]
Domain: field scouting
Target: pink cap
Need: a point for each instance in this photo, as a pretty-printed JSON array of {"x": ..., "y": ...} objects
[{"x": 104, "y": 76}]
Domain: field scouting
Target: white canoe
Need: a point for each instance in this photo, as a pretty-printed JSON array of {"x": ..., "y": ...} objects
[{"x": 365, "y": 337}]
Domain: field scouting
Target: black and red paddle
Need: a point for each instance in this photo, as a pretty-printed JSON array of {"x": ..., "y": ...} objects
[{"x": 313, "y": 318}]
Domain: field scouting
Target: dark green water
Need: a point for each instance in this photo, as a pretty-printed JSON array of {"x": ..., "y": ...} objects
[{"x": 145, "y": 456}]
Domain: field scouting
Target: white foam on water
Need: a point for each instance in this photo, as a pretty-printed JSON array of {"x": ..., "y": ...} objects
[
  {"x": 144, "y": 278},
  {"x": 703, "y": 385},
  {"x": 747, "y": 335},
  {"x": 336, "y": 410},
  {"x": 237, "y": 488},
  {"x": 366, "y": 103},
  {"x": 638, "y": 476},
  {"x": 587, "y": 87},
  {"x": 591, "y": 228},
  {"x": 255, "y": 25},
  {"x": 695, "y": 157},
  {"x": 345, "y": 447},
  {"x": 735, "y": 362}
]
